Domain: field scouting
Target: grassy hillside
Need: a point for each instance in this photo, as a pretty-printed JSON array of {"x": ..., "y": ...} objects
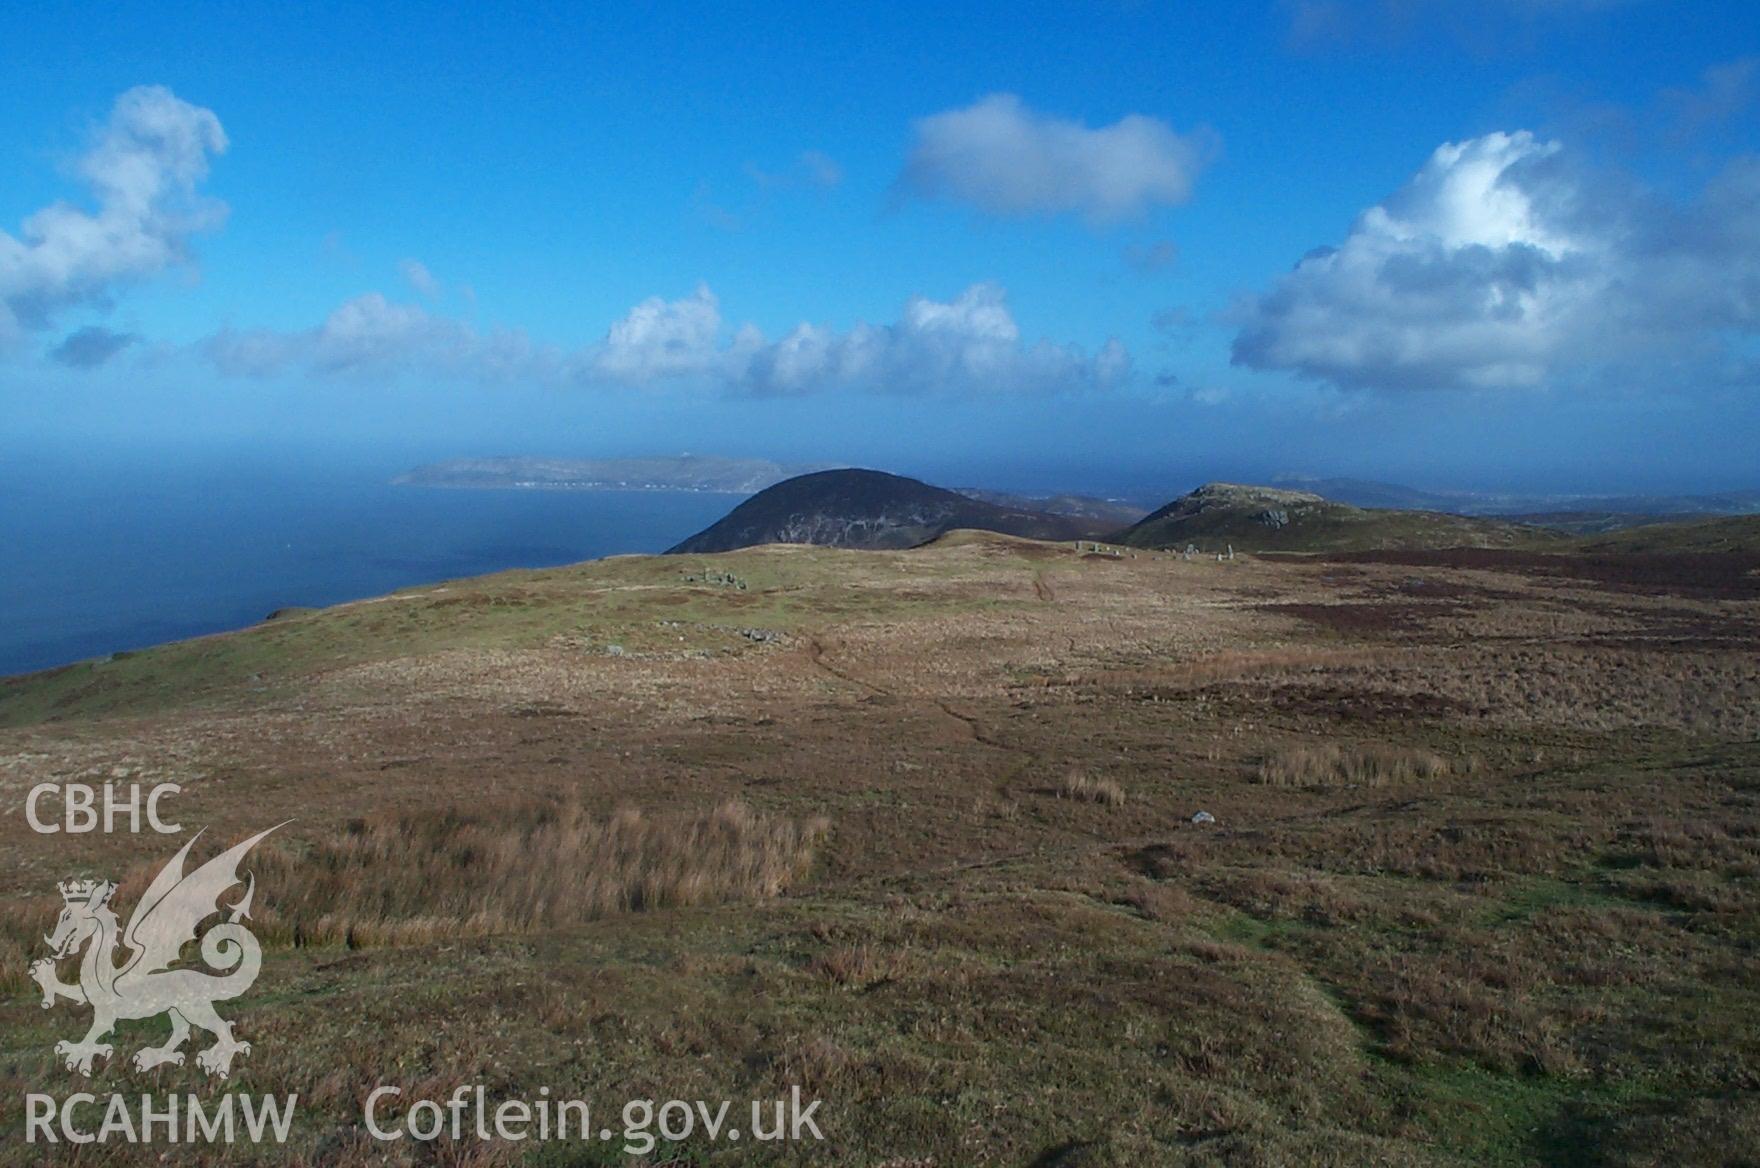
[
  {"x": 1255, "y": 518},
  {"x": 914, "y": 831},
  {"x": 1734, "y": 533},
  {"x": 630, "y": 605}
]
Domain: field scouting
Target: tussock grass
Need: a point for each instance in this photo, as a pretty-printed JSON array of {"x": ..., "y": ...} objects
[
  {"x": 416, "y": 877},
  {"x": 1168, "y": 903},
  {"x": 20, "y": 944},
  {"x": 1077, "y": 785},
  {"x": 859, "y": 966},
  {"x": 1367, "y": 764},
  {"x": 817, "y": 1063}
]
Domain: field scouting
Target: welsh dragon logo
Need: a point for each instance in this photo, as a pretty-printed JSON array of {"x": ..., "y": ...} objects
[{"x": 166, "y": 918}]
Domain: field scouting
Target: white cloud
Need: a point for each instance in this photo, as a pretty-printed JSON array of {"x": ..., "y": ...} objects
[
  {"x": 968, "y": 345},
  {"x": 1501, "y": 264},
  {"x": 1006, "y": 159},
  {"x": 369, "y": 330},
  {"x": 371, "y": 335},
  {"x": 143, "y": 170},
  {"x": 416, "y": 273},
  {"x": 661, "y": 339}
]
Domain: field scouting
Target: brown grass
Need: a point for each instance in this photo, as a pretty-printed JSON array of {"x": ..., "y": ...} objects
[
  {"x": 1077, "y": 785},
  {"x": 1167, "y": 903},
  {"x": 20, "y": 944},
  {"x": 1551, "y": 959},
  {"x": 1366, "y": 764},
  {"x": 859, "y": 966},
  {"x": 414, "y": 878},
  {"x": 1470, "y": 1005}
]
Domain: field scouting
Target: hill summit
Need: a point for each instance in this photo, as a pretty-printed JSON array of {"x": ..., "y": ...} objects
[
  {"x": 1255, "y": 518},
  {"x": 870, "y": 509}
]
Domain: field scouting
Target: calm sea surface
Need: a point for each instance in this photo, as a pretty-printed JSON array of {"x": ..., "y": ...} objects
[{"x": 98, "y": 555}]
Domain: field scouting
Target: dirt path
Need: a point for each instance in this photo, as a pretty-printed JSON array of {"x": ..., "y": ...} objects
[{"x": 971, "y": 728}]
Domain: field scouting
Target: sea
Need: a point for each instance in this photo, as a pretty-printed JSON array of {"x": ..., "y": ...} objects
[{"x": 102, "y": 552}]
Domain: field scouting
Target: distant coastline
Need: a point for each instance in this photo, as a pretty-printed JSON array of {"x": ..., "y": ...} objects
[
  {"x": 686, "y": 472},
  {"x": 568, "y": 485}
]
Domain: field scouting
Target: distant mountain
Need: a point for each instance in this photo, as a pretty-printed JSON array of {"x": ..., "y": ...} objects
[
  {"x": 684, "y": 472},
  {"x": 1569, "y": 511},
  {"x": 870, "y": 509},
  {"x": 1114, "y": 512},
  {"x": 1253, "y": 518}
]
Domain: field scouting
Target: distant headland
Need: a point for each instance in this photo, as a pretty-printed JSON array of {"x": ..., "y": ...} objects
[{"x": 683, "y": 472}]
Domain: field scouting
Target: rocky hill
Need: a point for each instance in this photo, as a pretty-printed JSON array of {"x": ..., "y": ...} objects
[
  {"x": 1581, "y": 512},
  {"x": 1111, "y": 513},
  {"x": 871, "y": 509},
  {"x": 1253, "y": 518}
]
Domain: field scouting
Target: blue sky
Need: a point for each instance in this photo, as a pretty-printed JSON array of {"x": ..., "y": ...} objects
[{"x": 1130, "y": 246}]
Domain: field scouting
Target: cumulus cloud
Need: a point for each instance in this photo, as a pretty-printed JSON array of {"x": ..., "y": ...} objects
[
  {"x": 90, "y": 347},
  {"x": 1006, "y": 159},
  {"x": 968, "y": 345},
  {"x": 1503, "y": 264},
  {"x": 142, "y": 169},
  {"x": 659, "y": 339}
]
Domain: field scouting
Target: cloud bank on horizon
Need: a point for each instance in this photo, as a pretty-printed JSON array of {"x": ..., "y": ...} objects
[{"x": 970, "y": 345}]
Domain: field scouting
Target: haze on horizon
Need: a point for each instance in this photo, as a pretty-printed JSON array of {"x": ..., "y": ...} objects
[{"x": 1515, "y": 245}]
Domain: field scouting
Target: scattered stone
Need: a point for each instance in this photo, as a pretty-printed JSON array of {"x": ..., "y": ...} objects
[
  {"x": 1203, "y": 817},
  {"x": 724, "y": 579},
  {"x": 614, "y": 650}
]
